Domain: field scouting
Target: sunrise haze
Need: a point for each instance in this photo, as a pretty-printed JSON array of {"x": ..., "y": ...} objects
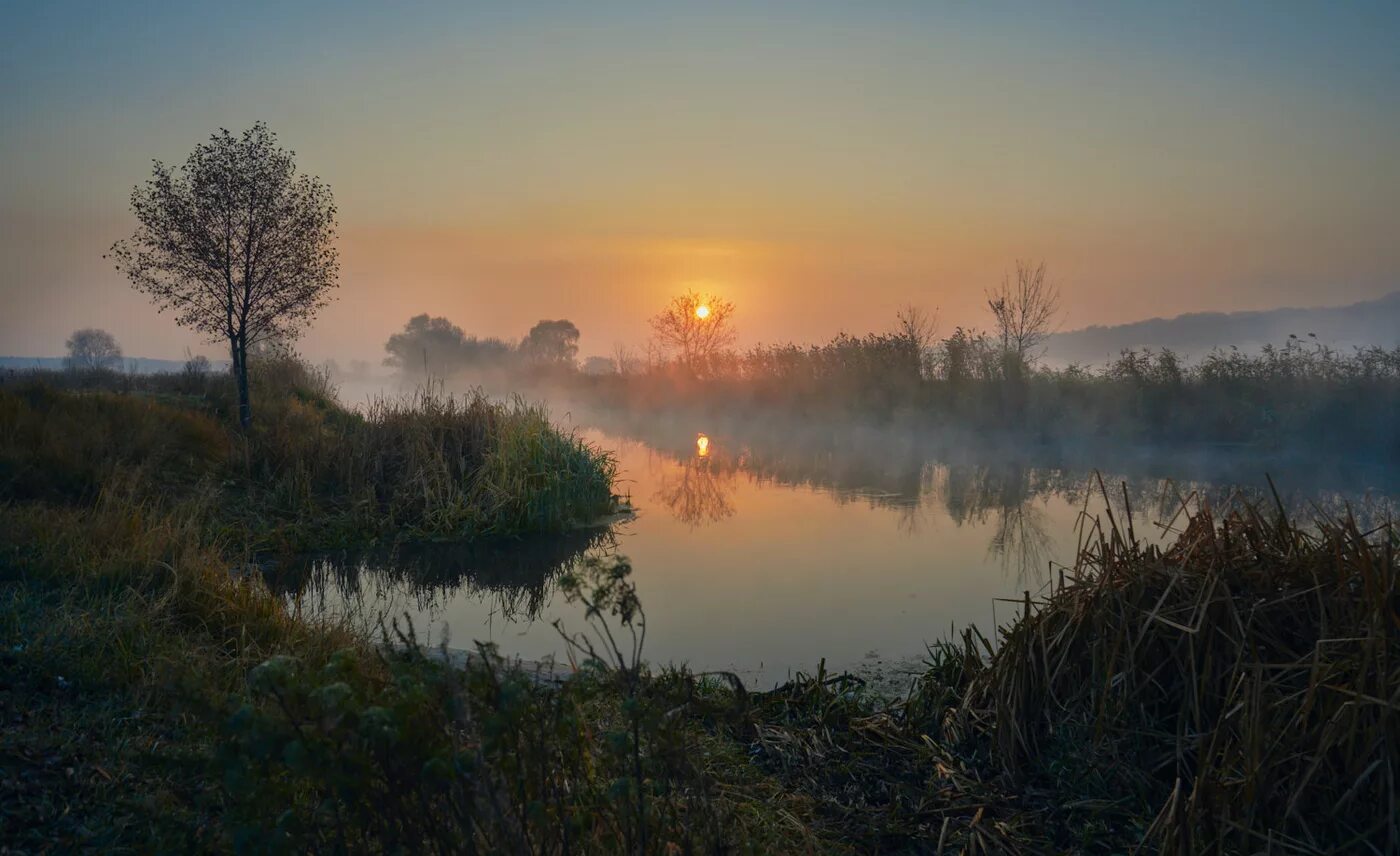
[{"x": 818, "y": 167}]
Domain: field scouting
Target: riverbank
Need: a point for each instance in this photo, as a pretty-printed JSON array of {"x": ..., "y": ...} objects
[
  {"x": 125, "y": 506},
  {"x": 1235, "y": 691}
]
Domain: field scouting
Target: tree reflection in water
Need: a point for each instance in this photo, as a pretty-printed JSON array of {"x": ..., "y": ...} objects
[
  {"x": 696, "y": 488},
  {"x": 1004, "y": 492},
  {"x": 1021, "y": 542},
  {"x": 1010, "y": 499},
  {"x": 518, "y": 575}
]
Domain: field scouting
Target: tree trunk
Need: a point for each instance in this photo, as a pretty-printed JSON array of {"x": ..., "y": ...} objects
[
  {"x": 240, "y": 369},
  {"x": 233, "y": 358}
]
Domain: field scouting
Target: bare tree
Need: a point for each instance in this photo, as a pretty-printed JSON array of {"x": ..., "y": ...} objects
[
  {"x": 91, "y": 349},
  {"x": 625, "y": 358},
  {"x": 917, "y": 325},
  {"x": 920, "y": 328},
  {"x": 1026, "y": 311},
  {"x": 654, "y": 355},
  {"x": 237, "y": 243},
  {"x": 694, "y": 327}
]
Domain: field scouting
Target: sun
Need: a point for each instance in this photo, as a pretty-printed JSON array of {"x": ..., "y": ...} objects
[{"x": 702, "y": 312}]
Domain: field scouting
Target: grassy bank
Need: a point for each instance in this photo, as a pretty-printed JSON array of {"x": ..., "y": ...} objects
[
  {"x": 1236, "y": 692},
  {"x": 127, "y": 506},
  {"x": 310, "y": 473}
]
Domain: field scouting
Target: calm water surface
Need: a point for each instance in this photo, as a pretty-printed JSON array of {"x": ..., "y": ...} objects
[{"x": 764, "y": 559}]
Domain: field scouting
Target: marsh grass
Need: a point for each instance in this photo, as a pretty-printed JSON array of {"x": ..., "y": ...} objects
[
  {"x": 1246, "y": 680},
  {"x": 310, "y": 473},
  {"x": 1236, "y": 691},
  {"x": 62, "y": 446},
  {"x": 430, "y": 465},
  {"x": 1233, "y": 692},
  {"x": 129, "y": 511}
]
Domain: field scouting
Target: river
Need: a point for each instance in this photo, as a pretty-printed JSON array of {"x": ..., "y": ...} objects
[{"x": 765, "y": 558}]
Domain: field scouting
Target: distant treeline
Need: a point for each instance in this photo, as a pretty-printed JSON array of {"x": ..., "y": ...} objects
[
  {"x": 1297, "y": 392},
  {"x": 1281, "y": 395},
  {"x": 129, "y": 365},
  {"x": 435, "y": 346}
]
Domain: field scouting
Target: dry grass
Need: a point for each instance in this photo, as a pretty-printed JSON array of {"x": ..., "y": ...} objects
[
  {"x": 1251, "y": 671},
  {"x": 1238, "y": 691}
]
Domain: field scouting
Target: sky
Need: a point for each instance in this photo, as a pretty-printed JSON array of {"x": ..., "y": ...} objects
[{"x": 820, "y": 165}]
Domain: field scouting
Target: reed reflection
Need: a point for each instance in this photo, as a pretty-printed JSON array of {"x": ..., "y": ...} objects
[{"x": 517, "y": 576}]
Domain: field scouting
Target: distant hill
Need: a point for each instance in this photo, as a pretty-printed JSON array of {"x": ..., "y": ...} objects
[
  {"x": 1371, "y": 322},
  {"x": 133, "y": 365}
]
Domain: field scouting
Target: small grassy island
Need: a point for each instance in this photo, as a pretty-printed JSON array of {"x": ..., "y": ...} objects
[{"x": 1236, "y": 692}]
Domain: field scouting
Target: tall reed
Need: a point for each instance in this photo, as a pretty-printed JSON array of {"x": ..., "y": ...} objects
[{"x": 1250, "y": 672}]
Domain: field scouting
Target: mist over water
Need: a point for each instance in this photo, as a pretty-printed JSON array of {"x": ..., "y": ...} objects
[{"x": 763, "y": 546}]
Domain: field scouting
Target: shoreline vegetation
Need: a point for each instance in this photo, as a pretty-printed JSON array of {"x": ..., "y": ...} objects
[
  {"x": 1236, "y": 691},
  {"x": 1278, "y": 400},
  {"x": 315, "y": 475},
  {"x": 970, "y": 386}
]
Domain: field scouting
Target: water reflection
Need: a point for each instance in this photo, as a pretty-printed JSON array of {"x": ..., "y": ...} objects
[
  {"x": 1000, "y": 494},
  {"x": 695, "y": 491},
  {"x": 1008, "y": 501},
  {"x": 762, "y": 551},
  {"x": 516, "y": 577}
]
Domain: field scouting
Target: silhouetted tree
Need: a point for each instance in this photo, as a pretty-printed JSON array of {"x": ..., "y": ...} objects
[
  {"x": 433, "y": 344},
  {"x": 91, "y": 349},
  {"x": 964, "y": 357},
  {"x": 425, "y": 343},
  {"x": 1025, "y": 311},
  {"x": 599, "y": 366},
  {"x": 919, "y": 328},
  {"x": 551, "y": 342},
  {"x": 625, "y": 359},
  {"x": 694, "y": 327},
  {"x": 236, "y": 242}
]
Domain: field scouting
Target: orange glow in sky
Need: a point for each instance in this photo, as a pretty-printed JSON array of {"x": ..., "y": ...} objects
[{"x": 820, "y": 167}]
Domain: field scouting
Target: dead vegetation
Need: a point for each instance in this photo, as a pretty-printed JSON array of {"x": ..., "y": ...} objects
[{"x": 1238, "y": 691}]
